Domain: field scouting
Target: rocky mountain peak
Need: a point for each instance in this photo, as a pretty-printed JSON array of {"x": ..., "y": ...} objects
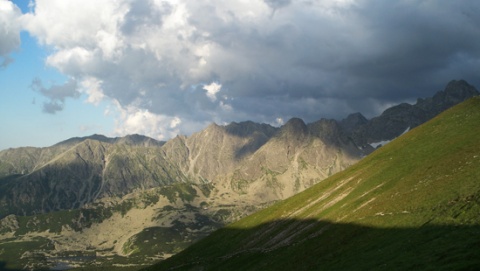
[
  {"x": 353, "y": 121},
  {"x": 326, "y": 129},
  {"x": 462, "y": 85},
  {"x": 138, "y": 140},
  {"x": 294, "y": 128},
  {"x": 211, "y": 130},
  {"x": 249, "y": 128},
  {"x": 456, "y": 91},
  {"x": 76, "y": 140}
]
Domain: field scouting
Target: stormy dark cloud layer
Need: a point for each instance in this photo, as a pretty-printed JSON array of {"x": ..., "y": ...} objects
[{"x": 177, "y": 65}]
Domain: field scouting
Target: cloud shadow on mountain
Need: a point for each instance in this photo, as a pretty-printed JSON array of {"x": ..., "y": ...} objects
[
  {"x": 256, "y": 133},
  {"x": 320, "y": 245}
]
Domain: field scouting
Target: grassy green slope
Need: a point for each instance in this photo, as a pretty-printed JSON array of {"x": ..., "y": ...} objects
[{"x": 412, "y": 204}]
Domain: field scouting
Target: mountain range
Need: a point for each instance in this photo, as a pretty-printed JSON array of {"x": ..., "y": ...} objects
[
  {"x": 111, "y": 197},
  {"x": 411, "y": 205}
]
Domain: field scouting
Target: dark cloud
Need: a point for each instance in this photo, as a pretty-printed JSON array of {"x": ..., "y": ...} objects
[
  {"x": 312, "y": 59},
  {"x": 410, "y": 44},
  {"x": 276, "y": 4},
  {"x": 56, "y": 94},
  {"x": 144, "y": 13},
  {"x": 52, "y": 107}
]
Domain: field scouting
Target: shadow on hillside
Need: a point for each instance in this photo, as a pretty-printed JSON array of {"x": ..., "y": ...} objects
[
  {"x": 3, "y": 268},
  {"x": 320, "y": 245},
  {"x": 258, "y": 135},
  {"x": 53, "y": 188}
]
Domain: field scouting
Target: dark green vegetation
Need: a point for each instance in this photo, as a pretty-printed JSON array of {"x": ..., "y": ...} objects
[
  {"x": 10, "y": 249},
  {"x": 412, "y": 204}
]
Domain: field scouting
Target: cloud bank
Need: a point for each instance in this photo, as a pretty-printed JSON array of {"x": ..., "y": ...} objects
[{"x": 173, "y": 66}]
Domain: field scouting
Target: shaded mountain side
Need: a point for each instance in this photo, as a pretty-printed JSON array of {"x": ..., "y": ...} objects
[
  {"x": 353, "y": 122},
  {"x": 397, "y": 119},
  {"x": 297, "y": 157},
  {"x": 344, "y": 247},
  {"x": 84, "y": 173},
  {"x": 257, "y": 134},
  {"x": 412, "y": 204}
]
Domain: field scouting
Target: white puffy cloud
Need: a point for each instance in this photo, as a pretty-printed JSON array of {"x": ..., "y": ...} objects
[
  {"x": 140, "y": 121},
  {"x": 132, "y": 120},
  {"x": 93, "y": 88},
  {"x": 212, "y": 90},
  {"x": 268, "y": 60},
  {"x": 9, "y": 31},
  {"x": 86, "y": 24}
]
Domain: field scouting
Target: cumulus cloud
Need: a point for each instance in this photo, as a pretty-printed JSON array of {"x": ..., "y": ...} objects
[
  {"x": 9, "y": 31},
  {"x": 268, "y": 60},
  {"x": 132, "y": 120},
  {"x": 93, "y": 88}
]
